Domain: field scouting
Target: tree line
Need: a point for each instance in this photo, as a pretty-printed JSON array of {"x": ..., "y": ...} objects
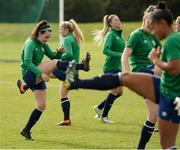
[{"x": 80, "y": 10}]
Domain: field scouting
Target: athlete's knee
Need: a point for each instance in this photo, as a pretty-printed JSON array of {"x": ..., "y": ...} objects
[
  {"x": 117, "y": 92},
  {"x": 41, "y": 107},
  {"x": 167, "y": 141},
  {"x": 120, "y": 91},
  {"x": 163, "y": 142},
  {"x": 125, "y": 76},
  {"x": 152, "y": 116}
]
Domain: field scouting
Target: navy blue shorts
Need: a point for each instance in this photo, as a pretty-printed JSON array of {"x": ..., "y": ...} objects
[
  {"x": 167, "y": 110},
  {"x": 147, "y": 69},
  {"x": 30, "y": 79},
  {"x": 59, "y": 74}
]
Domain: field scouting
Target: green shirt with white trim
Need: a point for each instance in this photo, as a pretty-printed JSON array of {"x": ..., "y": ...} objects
[
  {"x": 72, "y": 49},
  {"x": 170, "y": 84},
  {"x": 114, "y": 44},
  {"x": 32, "y": 54},
  {"x": 141, "y": 43}
]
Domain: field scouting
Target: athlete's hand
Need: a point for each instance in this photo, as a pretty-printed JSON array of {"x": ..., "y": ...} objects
[
  {"x": 154, "y": 54},
  {"x": 62, "y": 50},
  {"x": 45, "y": 77},
  {"x": 177, "y": 103}
]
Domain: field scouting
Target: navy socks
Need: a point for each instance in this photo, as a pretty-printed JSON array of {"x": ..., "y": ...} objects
[
  {"x": 65, "y": 108},
  {"x": 102, "y": 104},
  {"x": 108, "y": 104},
  {"x": 62, "y": 65},
  {"x": 146, "y": 134},
  {"x": 34, "y": 117},
  {"x": 104, "y": 82}
]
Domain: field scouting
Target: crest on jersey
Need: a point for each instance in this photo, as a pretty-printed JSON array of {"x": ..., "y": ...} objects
[
  {"x": 162, "y": 49},
  {"x": 43, "y": 50},
  {"x": 154, "y": 43}
]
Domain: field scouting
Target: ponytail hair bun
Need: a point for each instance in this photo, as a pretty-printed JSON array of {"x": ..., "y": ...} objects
[{"x": 161, "y": 5}]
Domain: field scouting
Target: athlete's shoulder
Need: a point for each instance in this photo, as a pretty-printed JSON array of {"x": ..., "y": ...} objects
[
  {"x": 137, "y": 32},
  {"x": 30, "y": 43},
  {"x": 173, "y": 36},
  {"x": 109, "y": 34},
  {"x": 70, "y": 38},
  {"x": 173, "y": 39}
]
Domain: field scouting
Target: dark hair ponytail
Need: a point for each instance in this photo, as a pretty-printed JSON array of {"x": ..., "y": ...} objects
[
  {"x": 41, "y": 27},
  {"x": 161, "y": 5},
  {"x": 162, "y": 12}
]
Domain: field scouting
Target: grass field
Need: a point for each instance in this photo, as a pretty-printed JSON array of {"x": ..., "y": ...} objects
[{"x": 86, "y": 132}]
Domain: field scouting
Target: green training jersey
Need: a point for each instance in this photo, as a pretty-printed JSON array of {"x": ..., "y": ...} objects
[
  {"x": 170, "y": 84},
  {"x": 141, "y": 43},
  {"x": 114, "y": 45},
  {"x": 32, "y": 54},
  {"x": 72, "y": 49}
]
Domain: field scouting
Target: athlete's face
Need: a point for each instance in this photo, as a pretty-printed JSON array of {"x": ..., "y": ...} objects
[
  {"x": 147, "y": 24},
  {"x": 177, "y": 26},
  {"x": 159, "y": 28},
  {"x": 63, "y": 31},
  {"x": 44, "y": 37},
  {"x": 115, "y": 22}
]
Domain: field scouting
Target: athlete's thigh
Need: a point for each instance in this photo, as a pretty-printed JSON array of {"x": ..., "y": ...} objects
[
  {"x": 40, "y": 97},
  {"x": 141, "y": 83},
  {"x": 48, "y": 66}
]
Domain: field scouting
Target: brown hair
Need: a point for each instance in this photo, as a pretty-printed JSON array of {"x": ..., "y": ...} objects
[
  {"x": 100, "y": 34},
  {"x": 72, "y": 26},
  {"x": 41, "y": 27},
  {"x": 162, "y": 12},
  {"x": 148, "y": 12}
]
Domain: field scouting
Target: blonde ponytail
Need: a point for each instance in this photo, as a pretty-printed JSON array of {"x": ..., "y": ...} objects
[
  {"x": 77, "y": 32},
  {"x": 100, "y": 34}
]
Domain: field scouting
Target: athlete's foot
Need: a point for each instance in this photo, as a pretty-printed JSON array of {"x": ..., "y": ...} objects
[
  {"x": 97, "y": 111},
  {"x": 86, "y": 61},
  {"x": 64, "y": 123},
  {"x": 20, "y": 86},
  {"x": 26, "y": 134},
  {"x": 70, "y": 75},
  {"x": 106, "y": 120}
]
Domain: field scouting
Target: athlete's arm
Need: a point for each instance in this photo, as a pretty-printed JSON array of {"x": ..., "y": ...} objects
[
  {"x": 171, "y": 67},
  {"x": 124, "y": 59}
]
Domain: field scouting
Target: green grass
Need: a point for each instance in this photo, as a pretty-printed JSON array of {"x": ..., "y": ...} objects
[{"x": 128, "y": 112}]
